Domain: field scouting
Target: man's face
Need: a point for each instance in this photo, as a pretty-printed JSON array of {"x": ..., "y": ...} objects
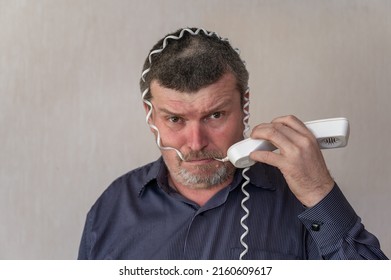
[{"x": 202, "y": 126}]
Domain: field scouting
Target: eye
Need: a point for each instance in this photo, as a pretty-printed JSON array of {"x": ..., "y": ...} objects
[
  {"x": 216, "y": 115},
  {"x": 174, "y": 119}
]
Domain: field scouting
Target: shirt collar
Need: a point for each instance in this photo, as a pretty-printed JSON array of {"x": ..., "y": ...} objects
[{"x": 155, "y": 170}]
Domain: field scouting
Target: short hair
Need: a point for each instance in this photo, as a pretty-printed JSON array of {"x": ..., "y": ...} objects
[{"x": 190, "y": 59}]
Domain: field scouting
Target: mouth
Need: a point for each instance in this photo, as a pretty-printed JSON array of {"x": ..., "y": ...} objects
[{"x": 199, "y": 160}]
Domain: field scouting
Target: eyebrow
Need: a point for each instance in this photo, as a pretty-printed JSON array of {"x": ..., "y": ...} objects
[
  {"x": 168, "y": 112},
  {"x": 216, "y": 108}
]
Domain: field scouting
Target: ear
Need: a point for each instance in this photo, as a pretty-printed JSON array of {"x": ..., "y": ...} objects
[{"x": 146, "y": 107}]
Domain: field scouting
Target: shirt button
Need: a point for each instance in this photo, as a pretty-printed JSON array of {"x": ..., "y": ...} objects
[{"x": 315, "y": 227}]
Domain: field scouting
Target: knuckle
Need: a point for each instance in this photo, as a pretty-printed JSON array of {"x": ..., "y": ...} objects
[
  {"x": 272, "y": 132},
  {"x": 306, "y": 142},
  {"x": 291, "y": 117}
]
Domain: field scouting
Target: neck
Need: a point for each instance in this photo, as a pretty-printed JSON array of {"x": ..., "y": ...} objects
[{"x": 200, "y": 195}]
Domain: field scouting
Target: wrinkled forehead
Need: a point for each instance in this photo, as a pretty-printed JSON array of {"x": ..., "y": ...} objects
[{"x": 220, "y": 96}]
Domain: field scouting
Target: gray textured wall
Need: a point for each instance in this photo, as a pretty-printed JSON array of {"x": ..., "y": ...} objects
[{"x": 71, "y": 118}]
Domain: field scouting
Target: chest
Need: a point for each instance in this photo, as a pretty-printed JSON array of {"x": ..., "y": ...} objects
[{"x": 179, "y": 230}]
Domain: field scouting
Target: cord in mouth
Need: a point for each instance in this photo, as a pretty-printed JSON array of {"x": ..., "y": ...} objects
[{"x": 222, "y": 159}]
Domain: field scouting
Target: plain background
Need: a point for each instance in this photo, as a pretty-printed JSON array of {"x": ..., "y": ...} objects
[{"x": 71, "y": 116}]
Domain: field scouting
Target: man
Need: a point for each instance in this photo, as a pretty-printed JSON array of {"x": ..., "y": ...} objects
[{"x": 190, "y": 205}]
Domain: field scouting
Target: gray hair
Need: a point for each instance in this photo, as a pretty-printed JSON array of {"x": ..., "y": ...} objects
[{"x": 190, "y": 59}]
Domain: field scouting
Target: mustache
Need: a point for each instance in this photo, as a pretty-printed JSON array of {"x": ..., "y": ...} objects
[{"x": 199, "y": 155}]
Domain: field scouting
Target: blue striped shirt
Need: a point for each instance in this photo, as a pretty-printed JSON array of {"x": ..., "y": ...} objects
[{"x": 141, "y": 217}]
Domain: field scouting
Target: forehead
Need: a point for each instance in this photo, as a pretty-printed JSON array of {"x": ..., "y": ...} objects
[{"x": 225, "y": 90}]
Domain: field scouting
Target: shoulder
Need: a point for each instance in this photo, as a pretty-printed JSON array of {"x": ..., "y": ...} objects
[
  {"x": 126, "y": 188},
  {"x": 134, "y": 178}
]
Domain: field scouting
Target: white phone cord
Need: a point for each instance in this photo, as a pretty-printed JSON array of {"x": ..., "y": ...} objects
[
  {"x": 247, "y": 179},
  {"x": 245, "y": 122},
  {"x": 144, "y": 73}
]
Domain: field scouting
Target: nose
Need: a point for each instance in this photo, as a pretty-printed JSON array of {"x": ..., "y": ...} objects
[{"x": 197, "y": 136}]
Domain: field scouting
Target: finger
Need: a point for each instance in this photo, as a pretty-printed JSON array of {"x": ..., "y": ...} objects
[
  {"x": 302, "y": 135},
  {"x": 279, "y": 134},
  {"x": 268, "y": 157},
  {"x": 294, "y": 123}
]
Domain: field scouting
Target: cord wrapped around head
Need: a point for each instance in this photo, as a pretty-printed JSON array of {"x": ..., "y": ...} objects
[{"x": 188, "y": 60}]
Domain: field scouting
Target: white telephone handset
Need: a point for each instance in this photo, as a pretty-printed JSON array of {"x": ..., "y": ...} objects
[{"x": 330, "y": 133}]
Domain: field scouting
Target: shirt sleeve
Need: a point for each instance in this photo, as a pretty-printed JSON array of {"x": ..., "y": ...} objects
[{"x": 336, "y": 232}]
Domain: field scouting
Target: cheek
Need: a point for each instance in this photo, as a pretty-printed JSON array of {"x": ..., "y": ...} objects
[
  {"x": 168, "y": 137},
  {"x": 232, "y": 132},
  {"x": 171, "y": 139},
  {"x": 171, "y": 160},
  {"x": 222, "y": 141}
]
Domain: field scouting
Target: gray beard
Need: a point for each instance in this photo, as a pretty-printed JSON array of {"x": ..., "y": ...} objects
[
  {"x": 205, "y": 181},
  {"x": 222, "y": 174}
]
